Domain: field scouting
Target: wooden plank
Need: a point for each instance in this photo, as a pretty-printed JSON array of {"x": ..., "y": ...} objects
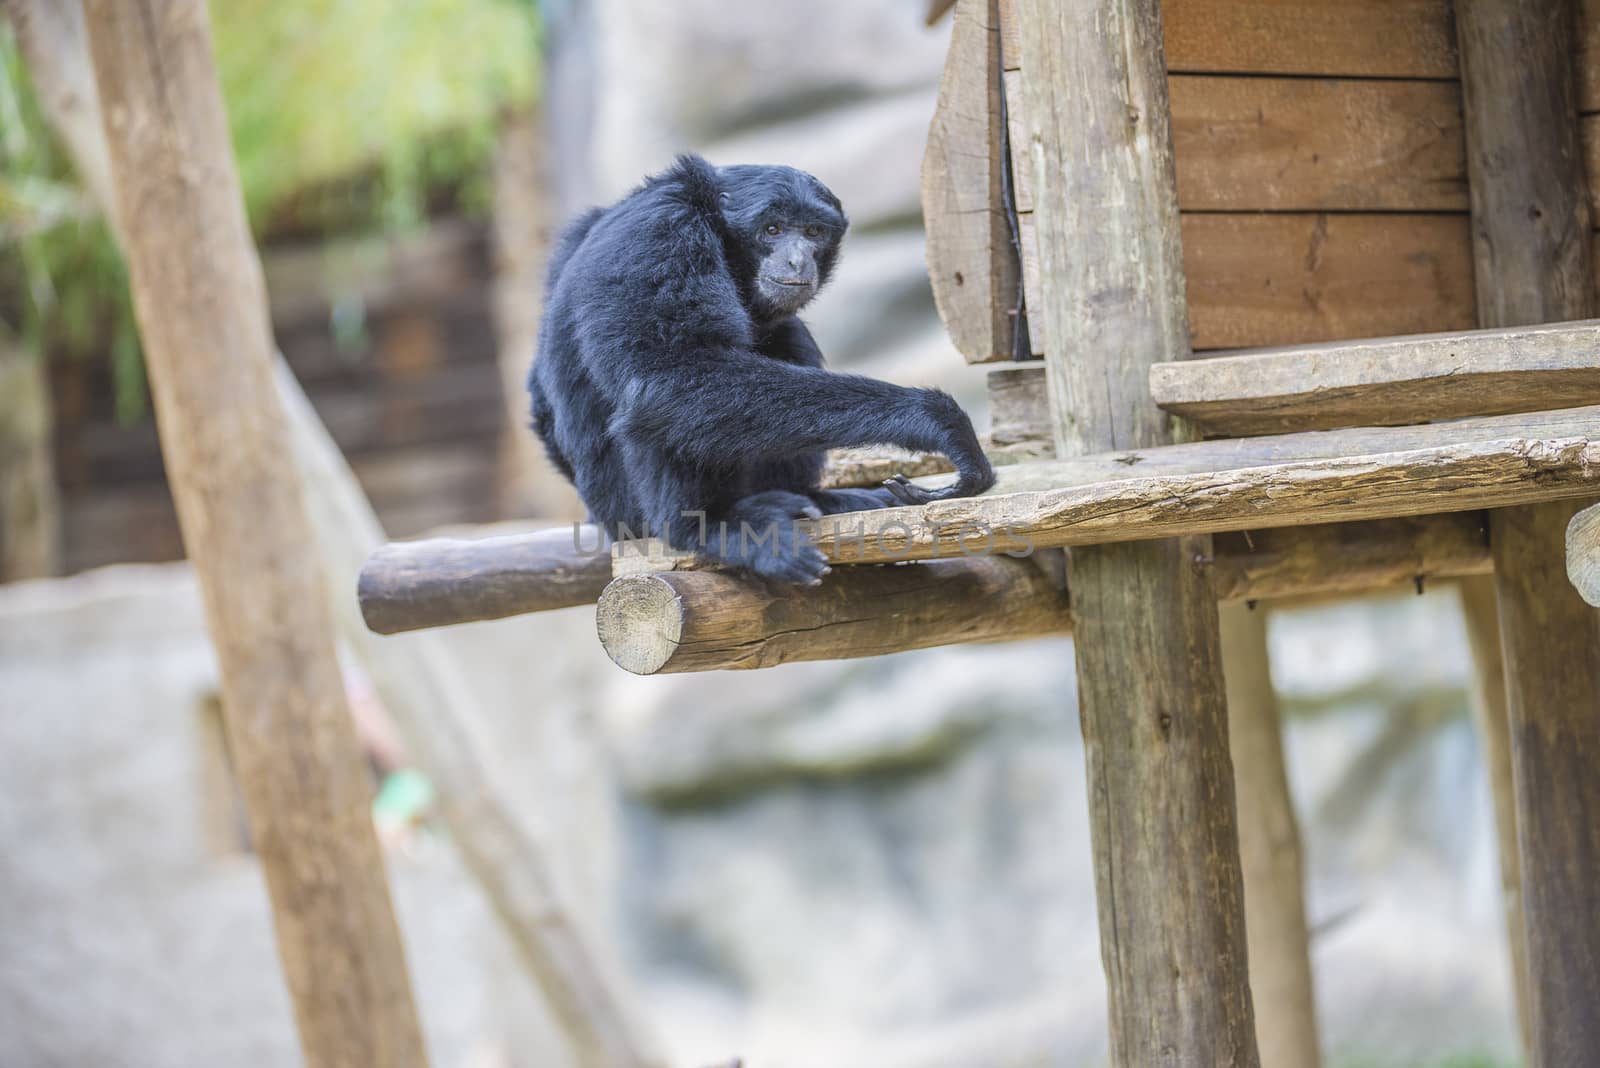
[
  {"x": 1303, "y": 144},
  {"x": 1386, "y": 381},
  {"x": 1583, "y": 554},
  {"x": 1289, "y": 279},
  {"x": 1362, "y": 484},
  {"x": 1150, "y": 689},
  {"x": 1356, "y": 38},
  {"x": 1532, "y": 256},
  {"x": 972, "y": 264},
  {"x": 202, "y": 312}
]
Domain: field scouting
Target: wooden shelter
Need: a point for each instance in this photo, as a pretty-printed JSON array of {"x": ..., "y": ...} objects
[{"x": 1121, "y": 187}]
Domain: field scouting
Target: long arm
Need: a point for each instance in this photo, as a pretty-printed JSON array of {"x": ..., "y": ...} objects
[{"x": 717, "y": 404}]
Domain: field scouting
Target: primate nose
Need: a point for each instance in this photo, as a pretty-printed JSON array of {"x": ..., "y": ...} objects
[{"x": 797, "y": 260}]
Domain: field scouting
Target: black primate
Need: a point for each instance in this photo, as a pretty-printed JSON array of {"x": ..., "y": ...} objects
[{"x": 678, "y": 391}]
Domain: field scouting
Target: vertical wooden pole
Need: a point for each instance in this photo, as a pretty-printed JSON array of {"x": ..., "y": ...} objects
[
  {"x": 201, "y": 307},
  {"x": 1482, "y": 616},
  {"x": 1149, "y": 659},
  {"x": 1532, "y": 261},
  {"x": 1269, "y": 850}
]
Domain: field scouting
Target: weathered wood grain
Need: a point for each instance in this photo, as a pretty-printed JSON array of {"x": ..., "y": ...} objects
[
  {"x": 1150, "y": 689},
  {"x": 412, "y": 585},
  {"x": 708, "y": 620},
  {"x": 699, "y": 618},
  {"x": 1269, "y": 850},
  {"x": 1304, "y": 144},
  {"x": 1532, "y": 252},
  {"x": 202, "y": 313},
  {"x": 1583, "y": 554},
  {"x": 1448, "y": 477},
  {"x": 972, "y": 262},
  {"x": 1385, "y": 381},
  {"x": 1360, "y": 38},
  {"x": 1293, "y": 278},
  {"x": 1481, "y": 614}
]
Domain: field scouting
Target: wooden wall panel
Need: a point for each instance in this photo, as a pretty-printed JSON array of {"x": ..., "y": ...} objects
[
  {"x": 1359, "y": 38},
  {"x": 1305, "y": 144},
  {"x": 1281, "y": 279}
]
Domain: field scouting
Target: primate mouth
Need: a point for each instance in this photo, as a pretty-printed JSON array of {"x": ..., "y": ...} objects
[{"x": 797, "y": 284}]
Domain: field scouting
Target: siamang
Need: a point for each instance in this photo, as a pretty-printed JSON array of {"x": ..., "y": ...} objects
[{"x": 675, "y": 387}]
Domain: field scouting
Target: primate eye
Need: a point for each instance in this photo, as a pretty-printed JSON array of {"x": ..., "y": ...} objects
[
  {"x": 774, "y": 229},
  {"x": 813, "y": 231}
]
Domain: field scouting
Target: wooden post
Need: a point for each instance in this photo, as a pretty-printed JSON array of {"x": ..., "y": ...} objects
[
  {"x": 1269, "y": 850},
  {"x": 1149, "y": 657},
  {"x": 1482, "y": 617},
  {"x": 201, "y": 307},
  {"x": 1532, "y": 264}
]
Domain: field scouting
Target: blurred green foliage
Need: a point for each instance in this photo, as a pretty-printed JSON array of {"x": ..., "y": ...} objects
[{"x": 347, "y": 115}]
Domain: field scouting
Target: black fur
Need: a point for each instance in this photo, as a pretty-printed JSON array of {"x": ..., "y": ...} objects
[{"x": 673, "y": 377}]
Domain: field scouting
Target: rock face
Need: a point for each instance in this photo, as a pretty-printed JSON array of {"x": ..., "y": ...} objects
[{"x": 136, "y": 928}]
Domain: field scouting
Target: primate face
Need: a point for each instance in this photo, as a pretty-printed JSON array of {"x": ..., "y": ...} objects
[
  {"x": 789, "y": 226},
  {"x": 790, "y": 271}
]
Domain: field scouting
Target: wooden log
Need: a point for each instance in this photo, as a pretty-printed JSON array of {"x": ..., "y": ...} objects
[
  {"x": 411, "y": 585},
  {"x": 1284, "y": 279},
  {"x": 1481, "y": 615},
  {"x": 433, "y": 698},
  {"x": 1213, "y": 486},
  {"x": 666, "y": 612},
  {"x": 1583, "y": 554},
  {"x": 1151, "y": 698},
  {"x": 1532, "y": 262},
  {"x": 1357, "y": 38},
  {"x": 1385, "y": 381},
  {"x": 1269, "y": 850},
  {"x": 708, "y": 620},
  {"x": 972, "y": 262},
  {"x": 201, "y": 307},
  {"x": 1304, "y": 144},
  {"x": 1334, "y": 559}
]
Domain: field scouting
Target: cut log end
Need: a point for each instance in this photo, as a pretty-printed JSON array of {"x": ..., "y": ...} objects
[{"x": 640, "y": 619}]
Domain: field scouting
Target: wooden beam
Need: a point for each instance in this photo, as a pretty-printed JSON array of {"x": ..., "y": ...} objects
[
  {"x": 1150, "y": 687},
  {"x": 1386, "y": 381},
  {"x": 667, "y": 613},
  {"x": 208, "y": 349},
  {"x": 1532, "y": 256},
  {"x": 972, "y": 262},
  {"x": 1370, "y": 473},
  {"x": 1269, "y": 850},
  {"x": 1583, "y": 554}
]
